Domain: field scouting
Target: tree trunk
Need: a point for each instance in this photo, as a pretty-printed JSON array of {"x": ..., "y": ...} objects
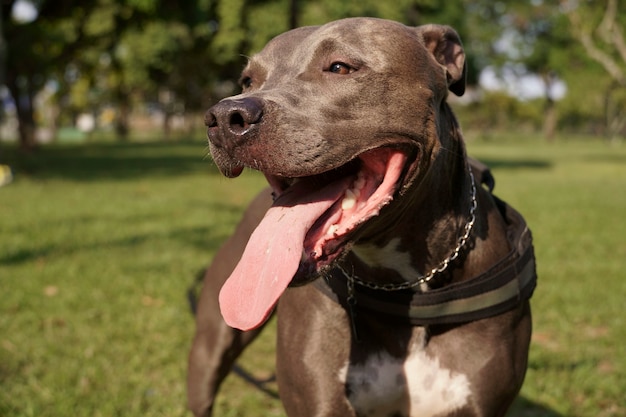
[
  {"x": 293, "y": 14},
  {"x": 550, "y": 114},
  {"x": 614, "y": 113},
  {"x": 122, "y": 121},
  {"x": 608, "y": 48},
  {"x": 25, "y": 113},
  {"x": 167, "y": 123},
  {"x": 550, "y": 120}
]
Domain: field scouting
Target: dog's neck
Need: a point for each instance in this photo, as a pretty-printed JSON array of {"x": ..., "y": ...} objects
[{"x": 422, "y": 230}]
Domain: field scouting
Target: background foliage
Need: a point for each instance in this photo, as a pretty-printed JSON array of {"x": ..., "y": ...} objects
[{"x": 134, "y": 57}]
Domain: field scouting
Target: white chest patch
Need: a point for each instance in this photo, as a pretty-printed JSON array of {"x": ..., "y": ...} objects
[
  {"x": 416, "y": 387},
  {"x": 388, "y": 256}
]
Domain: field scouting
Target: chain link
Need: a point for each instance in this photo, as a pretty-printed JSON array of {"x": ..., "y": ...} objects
[{"x": 439, "y": 268}]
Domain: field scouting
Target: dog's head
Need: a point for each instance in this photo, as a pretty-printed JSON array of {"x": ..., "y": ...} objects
[
  {"x": 317, "y": 97},
  {"x": 348, "y": 114}
]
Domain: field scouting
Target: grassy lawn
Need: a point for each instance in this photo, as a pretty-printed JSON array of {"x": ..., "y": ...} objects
[{"x": 99, "y": 243}]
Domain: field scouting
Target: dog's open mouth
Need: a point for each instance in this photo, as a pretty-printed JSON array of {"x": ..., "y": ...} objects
[
  {"x": 305, "y": 229},
  {"x": 357, "y": 190}
]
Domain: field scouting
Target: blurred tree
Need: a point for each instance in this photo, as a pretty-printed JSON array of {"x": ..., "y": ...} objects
[
  {"x": 148, "y": 50},
  {"x": 109, "y": 51},
  {"x": 599, "y": 27},
  {"x": 533, "y": 34},
  {"x": 36, "y": 50},
  {"x": 568, "y": 40},
  {"x": 120, "y": 53},
  {"x": 3, "y": 52}
]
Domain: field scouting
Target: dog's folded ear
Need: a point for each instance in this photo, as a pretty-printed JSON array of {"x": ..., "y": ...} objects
[{"x": 445, "y": 45}]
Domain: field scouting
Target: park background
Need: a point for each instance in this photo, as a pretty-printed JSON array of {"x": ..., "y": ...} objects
[{"x": 110, "y": 205}]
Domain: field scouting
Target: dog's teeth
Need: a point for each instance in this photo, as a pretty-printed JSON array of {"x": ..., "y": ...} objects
[
  {"x": 349, "y": 201},
  {"x": 332, "y": 230}
]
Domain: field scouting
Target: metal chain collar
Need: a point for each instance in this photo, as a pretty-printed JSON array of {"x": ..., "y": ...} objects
[{"x": 443, "y": 265}]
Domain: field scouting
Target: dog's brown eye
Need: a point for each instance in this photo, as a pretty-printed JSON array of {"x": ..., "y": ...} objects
[
  {"x": 246, "y": 83},
  {"x": 340, "y": 68}
]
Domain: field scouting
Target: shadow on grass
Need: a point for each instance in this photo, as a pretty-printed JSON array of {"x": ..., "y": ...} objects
[
  {"x": 207, "y": 238},
  {"x": 266, "y": 386},
  {"x": 523, "y": 407},
  {"x": 117, "y": 161}
]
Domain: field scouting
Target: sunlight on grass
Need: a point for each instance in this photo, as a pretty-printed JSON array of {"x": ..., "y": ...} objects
[
  {"x": 100, "y": 243},
  {"x": 574, "y": 204}
]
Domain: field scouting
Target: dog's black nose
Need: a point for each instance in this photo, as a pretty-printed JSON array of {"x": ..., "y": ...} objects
[{"x": 230, "y": 120}]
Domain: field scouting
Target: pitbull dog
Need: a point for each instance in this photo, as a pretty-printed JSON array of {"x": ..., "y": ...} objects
[{"x": 401, "y": 284}]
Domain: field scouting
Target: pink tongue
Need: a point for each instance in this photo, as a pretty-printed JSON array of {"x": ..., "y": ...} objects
[{"x": 273, "y": 254}]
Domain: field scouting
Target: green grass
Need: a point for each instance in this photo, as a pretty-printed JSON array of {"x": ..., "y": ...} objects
[{"x": 99, "y": 243}]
